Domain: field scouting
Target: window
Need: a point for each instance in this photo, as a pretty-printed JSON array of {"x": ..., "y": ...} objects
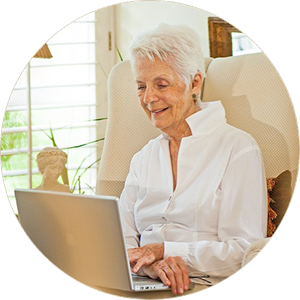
[
  {"x": 57, "y": 94},
  {"x": 241, "y": 44}
]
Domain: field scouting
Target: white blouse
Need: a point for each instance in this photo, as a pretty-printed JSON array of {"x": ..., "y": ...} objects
[{"x": 219, "y": 206}]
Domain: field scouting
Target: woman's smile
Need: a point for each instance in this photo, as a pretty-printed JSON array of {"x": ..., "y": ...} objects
[{"x": 158, "y": 112}]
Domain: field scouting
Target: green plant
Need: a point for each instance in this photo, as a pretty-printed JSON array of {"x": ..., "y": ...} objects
[
  {"x": 76, "y": 181},
  {"x": 120, "y": 56},
  {"x": 17, "y": 141},
  {"x": 13, "y": 140}
]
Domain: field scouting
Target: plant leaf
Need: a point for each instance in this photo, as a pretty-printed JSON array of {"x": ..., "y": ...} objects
[
  {"x": 90, "y": 166},
  {"x": 103, "y": 71},
  {"x": 121, "y": 58},
  {"x": 91, "y": 188},
  {"x": 95, "y": 120},
  {"x": 79, "y": 176},
  {"x": 52, "y": 138},
  {"x": 46, "y": 133},
  {"x": 82, "y": 145},
  {"x": 77, "y": 170}
]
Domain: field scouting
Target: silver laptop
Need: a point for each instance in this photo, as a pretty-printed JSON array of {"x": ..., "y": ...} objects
[{"x": 83, "y": 236}]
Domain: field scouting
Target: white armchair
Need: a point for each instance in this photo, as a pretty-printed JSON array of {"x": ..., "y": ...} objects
[{"x": 255, "y": 100}]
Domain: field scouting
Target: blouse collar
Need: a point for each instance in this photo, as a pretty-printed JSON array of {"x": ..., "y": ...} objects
[{"x": 211, "y": 116}]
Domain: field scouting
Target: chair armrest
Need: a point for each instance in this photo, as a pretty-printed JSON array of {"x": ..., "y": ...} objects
[{"x": 253, "y": 250}]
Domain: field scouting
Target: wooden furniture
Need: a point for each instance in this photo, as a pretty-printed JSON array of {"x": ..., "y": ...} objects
[{"x": 220, "y": 39}]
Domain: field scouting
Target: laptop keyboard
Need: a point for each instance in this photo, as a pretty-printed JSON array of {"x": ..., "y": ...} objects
[{"x": 144, "y": 280}]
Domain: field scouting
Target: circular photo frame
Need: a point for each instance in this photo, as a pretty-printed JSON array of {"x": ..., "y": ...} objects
[{"x": 67, "y": 101}]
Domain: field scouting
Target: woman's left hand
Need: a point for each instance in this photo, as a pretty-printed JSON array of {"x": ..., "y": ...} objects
[
  {"x": 145, "y": 256},
  {"x": 172, "y": 271}
]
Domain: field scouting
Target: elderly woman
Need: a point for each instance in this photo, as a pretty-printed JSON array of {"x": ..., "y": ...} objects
[{"x": 195, "y": 197}]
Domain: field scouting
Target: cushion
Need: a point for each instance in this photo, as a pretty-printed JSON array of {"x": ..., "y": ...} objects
[{"x": 279, "y": 196}]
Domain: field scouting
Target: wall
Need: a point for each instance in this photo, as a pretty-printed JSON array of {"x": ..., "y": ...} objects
[
  {"x": 125, "y": 21},
  {"x": 133, "y": 17}
]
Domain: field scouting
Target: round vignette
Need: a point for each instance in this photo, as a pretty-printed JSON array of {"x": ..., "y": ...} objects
[{"x": 289, "y": 214}]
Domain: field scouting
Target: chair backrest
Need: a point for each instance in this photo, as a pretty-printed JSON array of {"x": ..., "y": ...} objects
[
  {"x": 128, "y": 130},
  {"x": 255, "y": 100}
]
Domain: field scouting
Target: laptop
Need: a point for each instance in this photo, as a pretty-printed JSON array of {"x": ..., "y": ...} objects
[{"x": 83, "y": 236}]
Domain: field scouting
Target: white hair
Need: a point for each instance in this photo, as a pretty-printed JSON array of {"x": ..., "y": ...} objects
[{"x": 177, "y": 44}]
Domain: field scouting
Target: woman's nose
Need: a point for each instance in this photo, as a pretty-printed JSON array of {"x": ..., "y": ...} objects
[{"x": 150, "y": 96}]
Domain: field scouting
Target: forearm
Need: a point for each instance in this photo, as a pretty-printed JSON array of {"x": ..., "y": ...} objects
[{"x": 220, "y": 259}]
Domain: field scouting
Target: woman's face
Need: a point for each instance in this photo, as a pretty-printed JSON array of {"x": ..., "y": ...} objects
[{"x": 163, "y": 95}]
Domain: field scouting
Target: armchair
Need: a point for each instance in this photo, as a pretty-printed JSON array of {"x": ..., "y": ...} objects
[{"x": 255, "y": 100}]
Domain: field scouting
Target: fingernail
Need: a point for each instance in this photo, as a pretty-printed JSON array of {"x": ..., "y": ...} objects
[
  {"x": 186, "y": 287},
  {"x": 180, "y": 291}
]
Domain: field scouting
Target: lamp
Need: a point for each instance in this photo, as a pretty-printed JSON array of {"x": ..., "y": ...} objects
[{"x": 44, "y": 52}]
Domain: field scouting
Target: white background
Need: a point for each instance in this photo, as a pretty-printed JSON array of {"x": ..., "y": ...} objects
[{"x": 25, "y": 26}]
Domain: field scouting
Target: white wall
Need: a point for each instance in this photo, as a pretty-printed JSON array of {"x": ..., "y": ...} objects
[
  {"x": 133, "y": 17},
  {"x": 125, "y": 21}
]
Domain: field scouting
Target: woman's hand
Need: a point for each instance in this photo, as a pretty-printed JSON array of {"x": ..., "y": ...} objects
[
  {"x": 172, "y": 271},
  {"x": 145, "y": 256}
]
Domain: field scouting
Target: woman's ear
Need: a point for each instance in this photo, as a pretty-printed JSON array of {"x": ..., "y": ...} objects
[{"x": 197, "y": 83}]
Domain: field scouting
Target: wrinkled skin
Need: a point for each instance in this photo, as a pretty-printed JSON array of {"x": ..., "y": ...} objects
[{"x": 149, "y": 261}]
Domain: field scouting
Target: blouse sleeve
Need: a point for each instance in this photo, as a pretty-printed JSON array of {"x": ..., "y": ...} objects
[
  {"x": 242, "y": 219},
  {"x": 127, "y": 202}
]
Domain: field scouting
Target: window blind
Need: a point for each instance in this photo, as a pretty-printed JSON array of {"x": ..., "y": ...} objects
[{"x": 57, "y": 95}]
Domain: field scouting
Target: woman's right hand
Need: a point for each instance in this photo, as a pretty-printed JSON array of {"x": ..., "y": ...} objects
[
  {"x": 145, "y": 256},
  {"x": 172, "y": 271}
]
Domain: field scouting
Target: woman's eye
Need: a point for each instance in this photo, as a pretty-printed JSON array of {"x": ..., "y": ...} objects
[{"x": 161, "y": 86}]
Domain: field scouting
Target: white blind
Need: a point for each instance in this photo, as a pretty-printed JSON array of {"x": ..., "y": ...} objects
[{"x": 57, "y": 93}]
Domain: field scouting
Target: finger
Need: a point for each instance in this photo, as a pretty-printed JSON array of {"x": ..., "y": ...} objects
[
  {"x": 185, "y": 274},
  {"x": 144, "y": 261},
  {"x": 137, "y": 266},
  {"x": 178, "y": 276},
  {"x": 163, "y": 277},
  {"x": 170, "y": 275}
]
